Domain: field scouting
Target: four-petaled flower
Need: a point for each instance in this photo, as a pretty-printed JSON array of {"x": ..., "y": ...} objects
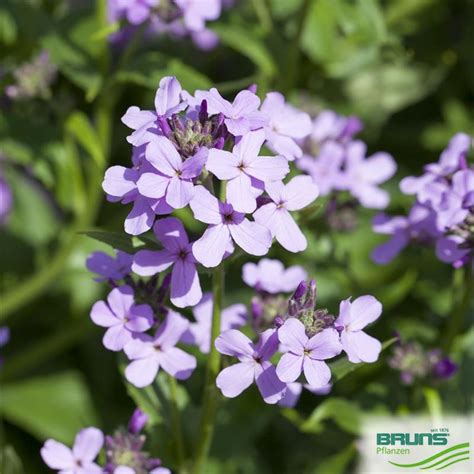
[
  {"x": 244, "y": 165},
  {"x": 225, "y": 225},
  {"x": 122, "y": 317},
  {"x": 185, "y": 286},
  {"x": 174, "y": 177},
  {"x": 353, "y": 317},
  {"x": 297, "y": 194},
  {"x": 79, "y": 459},
  {"x": 254, "y": 365},
  {"x": 149, "y": 353},
  {"x": 304, "y": 354}
]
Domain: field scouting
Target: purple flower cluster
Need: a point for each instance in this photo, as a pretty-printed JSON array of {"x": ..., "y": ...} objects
[
  {"x": 178, "y": 18},
  {"x": 147, "y": 332},
  {"x": 414, "y": 363},
  {"x": 188, "y": 146},
  {"x": 443, "y": 213},
  {"x": 337, "y": 162},
  {"x": 124, "y": 452},
  {"x": 305, "y": 337}
]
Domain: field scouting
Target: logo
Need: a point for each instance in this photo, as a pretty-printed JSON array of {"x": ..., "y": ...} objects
[{"x": 417, "y": 444}]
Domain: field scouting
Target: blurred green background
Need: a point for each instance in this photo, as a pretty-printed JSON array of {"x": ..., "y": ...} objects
[{"x": 406, "y": 67}]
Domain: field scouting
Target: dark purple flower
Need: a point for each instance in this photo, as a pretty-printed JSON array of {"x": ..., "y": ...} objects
[{"x": 137, "y": 421}]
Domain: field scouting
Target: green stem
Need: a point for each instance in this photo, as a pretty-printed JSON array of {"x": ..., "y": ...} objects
[
  {"x": 264, "y": 15},
  {"x": 463, "y": 296},
  {"x": 210, "y": 393},
  {"x": 176, "y": 424}
]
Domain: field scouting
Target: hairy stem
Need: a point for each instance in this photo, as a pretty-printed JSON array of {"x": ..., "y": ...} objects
[
  {"x": 210, "y": 393},
  {"x": 176, "y": 424}
]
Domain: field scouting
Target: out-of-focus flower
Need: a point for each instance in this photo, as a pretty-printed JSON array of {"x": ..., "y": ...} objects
[
  {"x": 148, "y": 354},
  {"x": 304, "y": 354},
  {"x": 185, "y": 286},
  {"x": 286, "y": 125},
  {"x": 199, "y": 333},
  {"x": 110, "y": 268},
  {"x": 138, "y": 421},
  {"x": 270, "y": 276},
  {"x": 79, "y": 459},
  {"x": 33, "y": 79},
  {"x": 298, "y": 193},
  {"x": 6, "y": 201},
  {"x": 122, "y": 317},
  {"x": 254, "y": 365},
  {"x": 353, "y": 317},
  {"x": 416, "y": 363},
  {"x": 295, "y": 389},
  {"x": 225, "y": 225},
  {"x": 4, "y": 339}
]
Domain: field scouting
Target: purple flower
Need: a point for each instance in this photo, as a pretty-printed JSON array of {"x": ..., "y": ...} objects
[
  {"x": 137, "y": 421},
  {"x": 297, "y": 194},
  {"x": 225, "y": 225},
  {"x": 79, "y": 459},
  {"x": 270, "y": 276},
  {"x": 363, "y": 175},
  {"x": 145, "y": 122},
  {"x": 4, "y": 335},
  {"x": 241, "y": 116},
  {"x": 353, "y": 317},
  {"x": 294, "y": 390},
  {"x": 122, "y": 317},
  {"x": 148, "y": 354},
  {"x": 120, "y": 184},
  {"x": 174, "y": 178},
  {"x": 420, "y": 226},
  {"x": 177, "y": 252},
  {"x": 110, "y": 268},
  {"x": 330, "y": 126},
  {"x": 326, "y": 168},
  {"x": 285, "y": 124},
  {"x": 195, "y": 13},
  {"x": 254, "y": 365},
  {"x": 304, "y": 354},
  {"x": 449, "y": 250},
  {"x": 135, "y": 11},
  {"x": 244, "y": 165},
  {"x": 199, "y": 333},
  {"x": 6, "y": 200}
]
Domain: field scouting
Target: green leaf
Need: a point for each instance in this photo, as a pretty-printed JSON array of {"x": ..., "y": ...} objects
[
  {"x": 8, "y": 28},
  {"x": 148, "y": 69},
  {"x": 54, "y": 406},
  {"x": 342, "y": 367},
  {"x": 122, "y": 241},
  {"x": 244, "y": 42},
  {"x": 344, "y": 413},
  {"x": 10, "y": 462},
  {"x": 79, "y": 126},
  {"x": 338, "y": 463}
]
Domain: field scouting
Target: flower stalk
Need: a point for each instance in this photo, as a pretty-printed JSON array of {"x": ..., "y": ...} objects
[{"x": 210, "y": 392}]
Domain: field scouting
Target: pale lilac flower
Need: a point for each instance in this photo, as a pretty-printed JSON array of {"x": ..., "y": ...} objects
[
  {"x": 225, "y": 225},
  {"x": 241, "y": 116},
  {"x": 135, "y": 11},
  {"x": 122, "y": 317},
  {"x": 294, "y": 390},
  {"x": 148, "y": 354},
  {"x": 79, "y": 459},
  {"x": 242, "y": 166},
  {"x": 353, "y": 317},
  {"x": 285, "y": 125},
  {"x": 177, "y": 252},
  {"x": 270, "y": 276},
  {"x": 363, "y": 175},
  {"x": 419, "y": 226},
  {"x": 110, "y": 268},
  {"x": 199, "y": 333},
  {"x": 254, "y": 365},
  {"x": 6, "y": 201},
  {"x": 304, "y": 354},
  {"x": 297, "y": 194},
  {"x": 120, "y": 184},
  {"x": 168, "y": 101},
  {"x": 173, "y": 177},
  {"x": 326, "y": 168},
  {"x": 328, "y": 125},
  {"x": 196, "y": 13},
  {"x": 4, "y": 339}
]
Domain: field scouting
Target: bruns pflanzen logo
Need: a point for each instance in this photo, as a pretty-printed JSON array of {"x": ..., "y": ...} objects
[{"x": 416, "y": 445}]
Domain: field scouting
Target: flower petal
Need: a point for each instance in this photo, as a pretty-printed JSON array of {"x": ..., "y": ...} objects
[
  {"x": 162, "y": 154},
  {"x": 179, "y": 193},
  {"x": 171, "y": 233},
  {"x": 239, "y": 194},
  {"x": 142, "y": 372},
  {"x": 102, "y": 316},
  {"x": 211, "y": 247},
  {"x": 56, "y": 455},
  {"x": 223, "y": 164},
  {"x": 300, "y": 192},
  {"x": 116, "y": 337},
  {"x": 120, "y": 300},
  {"x": 151, "y": 262},
  {"x": 289, "y": 367},
  {"x": 268, "y": 168},
  {"x": 205, "y": 206},
  {"x": 364, "y": 310},
  {"x": 293, "y": 336},
  {"x": 233, "y": 380},
  {"x": 270, "y": 386},
  {"x": 360, "y": 347},
  {"x": 140, "y": 219},
  {"x": 252, "y": 237},
  {"x": 185, "y": 286},
  {"x": 87, "y": 444},
  {"x": 324, "y": 345},
  {"x": 171, "y": 329},
  {"x": 317, "y": 373},
  {"x": 234, "y": 343},
  {"x": 177, "y": 363},
  {"x": 153, "y": 185}
]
